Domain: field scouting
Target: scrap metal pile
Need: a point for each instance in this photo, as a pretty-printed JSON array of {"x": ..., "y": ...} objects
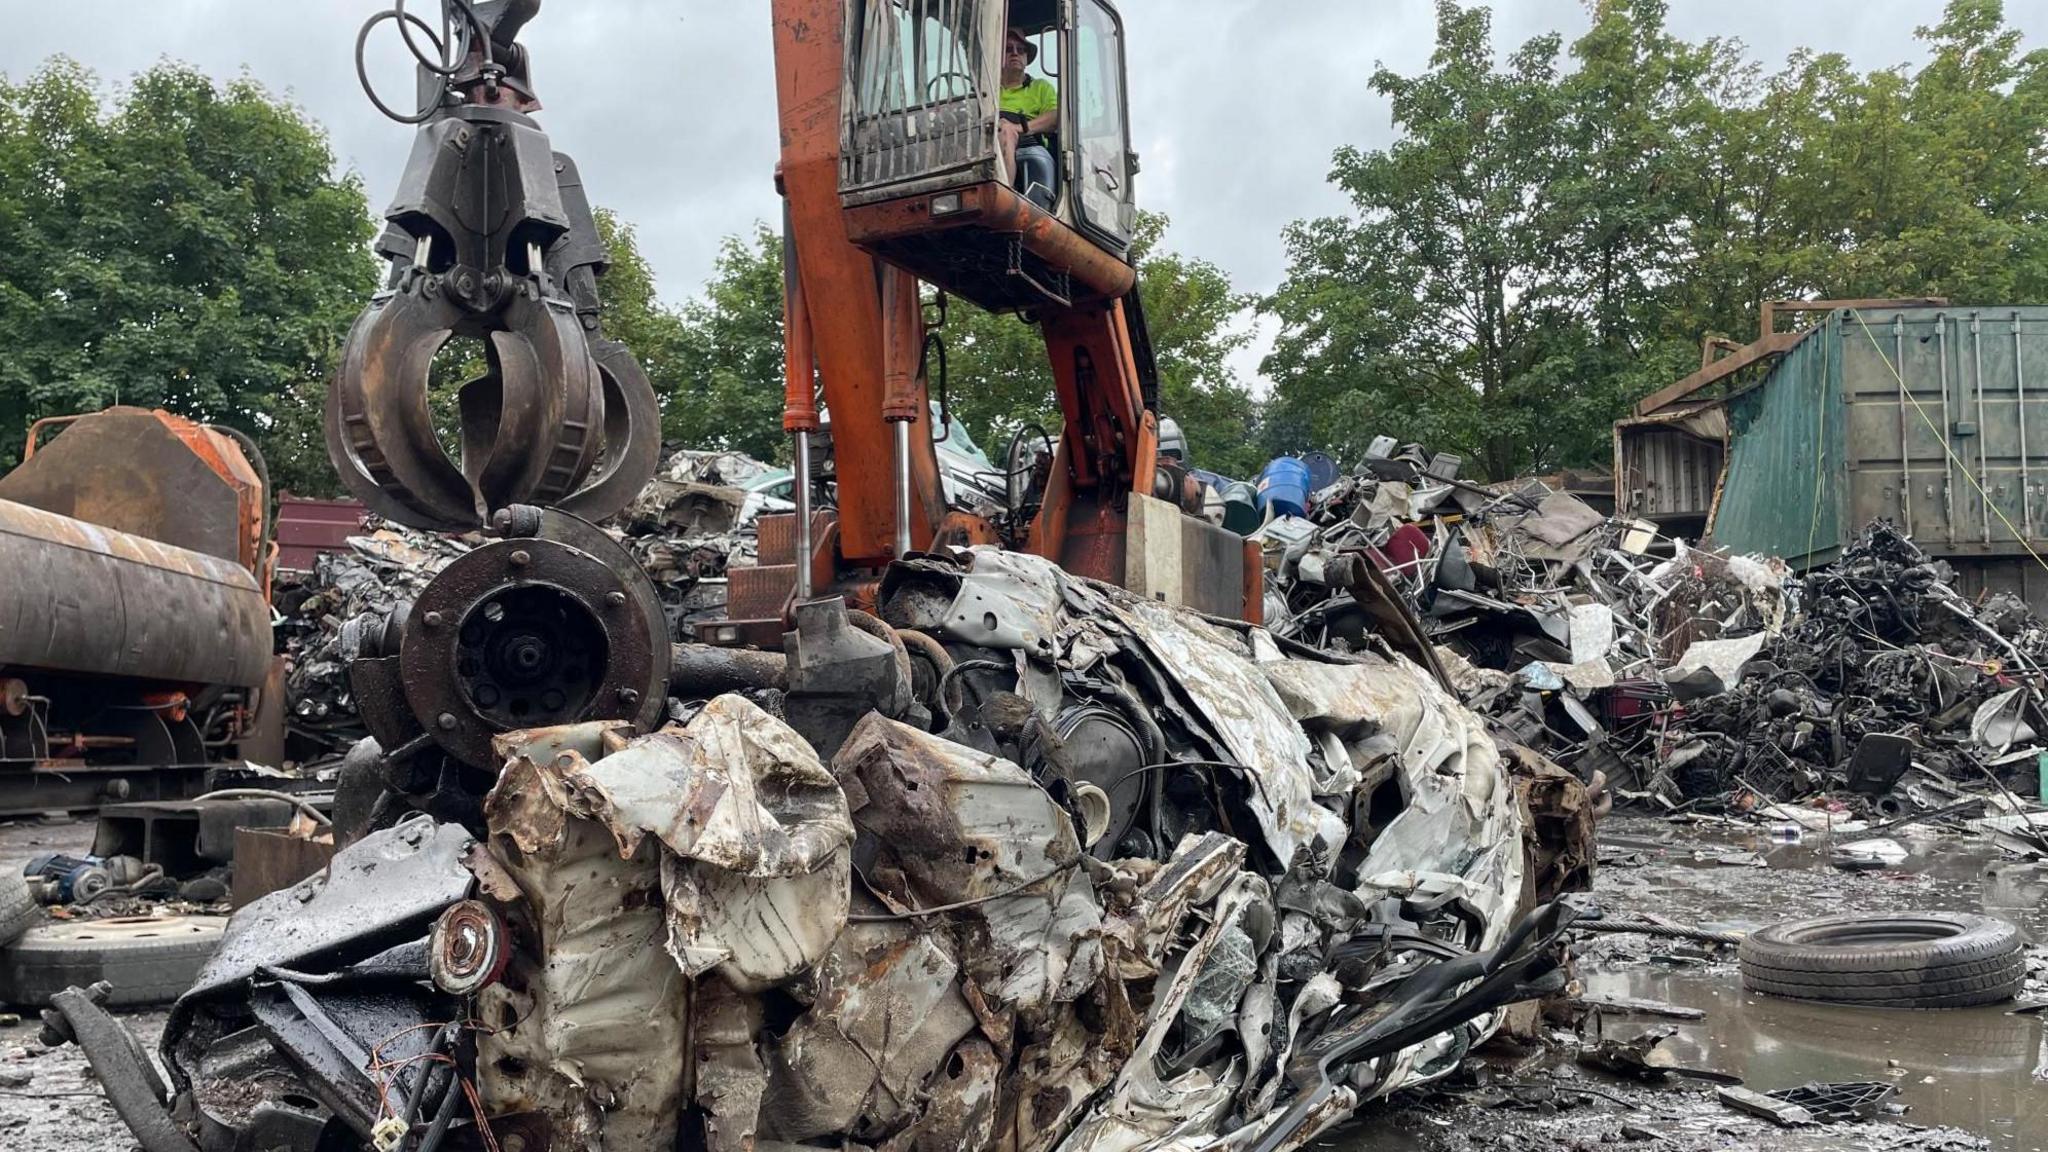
[
  {"x": 1886, "y": 670},
  {"x": 1691, "y": 678},
  {"x": 336, "y": 612},
  {"x": 1027, "y": 863}
]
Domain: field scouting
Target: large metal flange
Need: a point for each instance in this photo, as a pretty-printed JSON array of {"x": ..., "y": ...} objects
[{"x": 533, "y": 631}]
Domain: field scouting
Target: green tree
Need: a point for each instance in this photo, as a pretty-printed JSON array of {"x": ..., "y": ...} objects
[
  {"x": 188, "y": 248},
  {"x": 1545, "y": 243},
  {"x": 722, "y": 385},
  {"x": 633, "y": 312}
]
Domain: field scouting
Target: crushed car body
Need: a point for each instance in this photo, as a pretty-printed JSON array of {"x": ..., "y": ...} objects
[{"x": 1087, "y": 872}]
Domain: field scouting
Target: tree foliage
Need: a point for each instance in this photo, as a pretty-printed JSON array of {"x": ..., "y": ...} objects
[
  {"x": 721, "y": 375},
  {"x": 1553, "y": 233},
  {"x": 186, "y": 246}
]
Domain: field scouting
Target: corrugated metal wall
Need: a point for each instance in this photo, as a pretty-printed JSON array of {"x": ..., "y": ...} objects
[
  {"x": 1786, "y": 463},
  {"x": 1666, "y": 473},
  {"x": 1935, "y": 419},
  {"x": 1953, "y": 447}
]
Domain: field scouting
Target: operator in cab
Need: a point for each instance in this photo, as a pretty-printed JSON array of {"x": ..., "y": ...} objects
[{"x": 1031, "y": 113}]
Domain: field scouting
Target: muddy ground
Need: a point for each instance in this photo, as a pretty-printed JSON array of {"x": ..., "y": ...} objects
[{"x": 1975, "y": 1079}]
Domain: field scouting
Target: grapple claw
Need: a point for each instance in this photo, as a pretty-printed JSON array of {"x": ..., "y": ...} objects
[
  {"x": 380, "y": 430},
  {"x": 490, "y": 236}
]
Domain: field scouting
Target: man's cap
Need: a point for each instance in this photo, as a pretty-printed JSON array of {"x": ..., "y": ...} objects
[{"x": 1030, "y": 49}]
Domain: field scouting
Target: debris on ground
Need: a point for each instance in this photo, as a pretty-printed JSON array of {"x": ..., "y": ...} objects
[
  {"x": 1839, "y": 1103},
  {"x": 1040, "y": 871}
]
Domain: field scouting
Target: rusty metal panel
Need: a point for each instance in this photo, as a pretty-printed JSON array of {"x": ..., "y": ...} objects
[
  {"x": 308, "y": 528},
  {"x": 1665, "y": 472},
  {"x": 269, "y": 861}
]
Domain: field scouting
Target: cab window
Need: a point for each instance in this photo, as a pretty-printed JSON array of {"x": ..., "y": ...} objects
[{"x": 1102, "y": 146}]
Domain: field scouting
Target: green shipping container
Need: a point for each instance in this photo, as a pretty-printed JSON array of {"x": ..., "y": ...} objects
[{"x": 1933, "y": 418}]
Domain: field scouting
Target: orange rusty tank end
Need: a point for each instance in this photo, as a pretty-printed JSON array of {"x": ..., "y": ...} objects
[
  {"x": 132, "y": 469},
  {"x": 841, "y": 291}
]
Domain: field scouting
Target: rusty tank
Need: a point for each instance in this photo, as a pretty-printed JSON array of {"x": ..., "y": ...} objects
[{"x": 135, "y": 642}]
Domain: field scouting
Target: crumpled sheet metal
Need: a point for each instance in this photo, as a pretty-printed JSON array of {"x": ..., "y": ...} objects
[
  {"x": 1250, "y": 718},
  {"x": 756, "y": 842},
  {"x": 719, "y": 850},
  {"x": 1143, "y": 1111},
  {"x": 2001, "y": 722},
  {"x": 957, "y": 825},
  {"x": 998, "y": 988},
  {"x": 1460, "y": 827},
  {"x": 1724, "y": 658},
  {"x": 589, "y": 1026},
  {"x": 1007, "y": 600},
  {"x": 887, "y": 1012},
  {"x": 1460, "y": 831}
]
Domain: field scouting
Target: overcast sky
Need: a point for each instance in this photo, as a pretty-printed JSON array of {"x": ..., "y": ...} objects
[{"x": 669, "y": 105}]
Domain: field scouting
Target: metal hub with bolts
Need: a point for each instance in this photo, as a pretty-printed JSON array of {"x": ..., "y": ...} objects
[{"x": 552, "y": 624}]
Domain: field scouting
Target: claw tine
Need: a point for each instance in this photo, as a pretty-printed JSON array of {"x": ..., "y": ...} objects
[
  {"x": 632, "y": 435},
  {"x": 382, "y": 432}
]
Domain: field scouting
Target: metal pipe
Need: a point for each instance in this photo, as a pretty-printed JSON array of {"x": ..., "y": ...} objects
[
  {"x": 2019, "y": 383},
  {"x": 804, "y": 544},
  {"x": 1905, "y": 401},
  {"x": 1983, "y": 485},
  {"x": 699, "y": 671},
  {"x": 1948, "y": 451},
  {"x": 799, "y": 394},
  {"x": 902, "y": 488}
]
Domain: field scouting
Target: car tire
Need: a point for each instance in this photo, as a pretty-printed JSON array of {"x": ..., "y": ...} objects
[
  {"x": 147, "y": 960},
  {"x": 1907, "y": 960},
  {"x": 18, "y": 908}
]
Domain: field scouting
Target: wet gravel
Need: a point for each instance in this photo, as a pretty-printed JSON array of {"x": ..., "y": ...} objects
[{"x": 1975, "y": 1079}]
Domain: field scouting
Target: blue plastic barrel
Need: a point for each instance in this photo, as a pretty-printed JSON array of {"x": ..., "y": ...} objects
[{"x": 1283, "y": 488}]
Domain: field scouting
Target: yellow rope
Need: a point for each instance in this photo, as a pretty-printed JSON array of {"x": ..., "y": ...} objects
[{"x": 1941, "y": 436}]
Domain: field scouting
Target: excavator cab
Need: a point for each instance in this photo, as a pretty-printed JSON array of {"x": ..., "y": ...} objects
[{"x": 924, "y": 180}]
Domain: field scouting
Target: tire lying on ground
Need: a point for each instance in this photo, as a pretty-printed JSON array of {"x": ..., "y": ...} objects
[
  {"x": 1903, "y": 960},
  {"x": 18, "y": 908},
  {"x": 149, "y": 960}
]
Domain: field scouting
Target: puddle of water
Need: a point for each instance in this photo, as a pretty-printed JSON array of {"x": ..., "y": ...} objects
[
  {"x": 1989, "y": 1070},
  {"x": 1688, "y": 881},
  {"x": 1987, "y": 1067}
]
